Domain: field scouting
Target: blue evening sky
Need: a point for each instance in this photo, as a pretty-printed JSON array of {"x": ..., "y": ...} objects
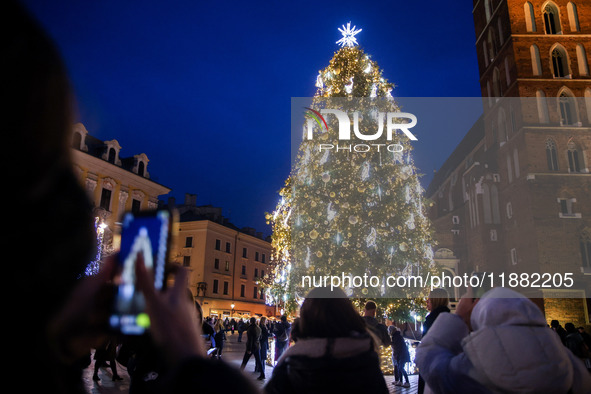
[{"x": 204, "y": 88}]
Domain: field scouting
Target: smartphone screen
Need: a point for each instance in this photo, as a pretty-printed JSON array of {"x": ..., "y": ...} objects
[{"x": 145, "y": 233}]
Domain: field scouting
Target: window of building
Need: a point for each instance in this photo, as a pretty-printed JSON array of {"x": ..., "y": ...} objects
[
  {"x": 226, "y": 288},
  {"x": 243, "y": 270},
  {"x": 551, "y": 19},
  {"x": 491, "y": 45},
  {"x": 487, "y": 10},
  {"x": 106, "y": 199},
  {"x": 262, "y": 295},
  {"x": 242, "y": 290},
  {"x": 502, "y": 122},
  {"x": 141, "y": 168},
  {"x": 588, "y": 104},
  {"x": 530, "y": 20},
  {"x": 112, "y": 155},
  {"x": 263, "y": 259},
  {"x": 228, "y": 247},
  {"x": 244, "y": 252},
  {"x": 542, "y": 106},
  {"x": 256, "y": 272},
  {"x": 516, "y": 162},
  {"x": 573, "y": 17},
  {"x": 509, "y": 209},
  {"x": 218, "y": 244},
  {"x": 560, "y": 67},
  {"x": 255, "y": 293},
  {"x": 216, "y": 264},
  {"x": 455, "y": 219},
  {"x": 574, "y": 158},
  {"x": 536, "y": 63},
  {"x": 186, "y": 261},
  {"x": 215, "y": 286},
  {"x": 188, "y": 242},
  {"x": 497, "y": 85},
  {"x": 568, "y": 111},
  {"x": 567, "y": 208},
  {"x": 256, "y": 256},
  {"x": 514, "y": 256},
  {"x": 262, "y": 273},
  {"x": 227, "y": 266},
  {"x": 586, "y": 249},
  {"x": 551, "y": 155},
  {"x": 582, "y": 60}
]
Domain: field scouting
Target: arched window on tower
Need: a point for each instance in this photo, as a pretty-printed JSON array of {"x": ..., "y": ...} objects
[
  {"x": 486, "y": 204},
  {"x": 560, "y": 67},
  {"x": 494, "y": 202},
  {"x": 588, "y": 104},
  {"x": 502, "y": 122},
  {"x": 573, "y": 17},
  {"x": 536, "y": 63},
  {"x": 497, "y": 85},
  {"x": 551, "y": 155},
  {"x": 551, "y": 19},
  {"x": 567, "y": 109},
  {"x": 575, "y": 158},
  {"x": 582, "y": 60},
  {"x": 491, "y": 45},
  {"x": 542, "y": 106},
  {"x": 530, "y": 20}
]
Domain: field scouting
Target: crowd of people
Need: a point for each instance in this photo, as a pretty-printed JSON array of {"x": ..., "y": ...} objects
[
  {"x": 498, "y": 342},
  {"x": 258, "y": 333}
]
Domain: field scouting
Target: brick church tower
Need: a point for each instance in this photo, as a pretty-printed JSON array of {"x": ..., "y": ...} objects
[{"x": 515, "y": 195}]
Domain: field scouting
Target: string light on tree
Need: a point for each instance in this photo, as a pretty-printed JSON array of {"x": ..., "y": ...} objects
[{"x": 342, "y": 212}]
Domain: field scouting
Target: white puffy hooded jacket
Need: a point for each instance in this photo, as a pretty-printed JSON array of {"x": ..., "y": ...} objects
[{"x": 510, "y": 350}]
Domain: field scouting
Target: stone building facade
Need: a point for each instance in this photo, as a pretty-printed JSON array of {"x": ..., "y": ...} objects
[
  {"x": 515, "y": 195},
  {"x": 225, "y": 262},
  {"x": 114, "y": 183}
]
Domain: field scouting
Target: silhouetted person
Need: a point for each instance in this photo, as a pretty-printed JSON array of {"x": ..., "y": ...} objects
[
  {"x": 58, "y": 314},
  {"x": 253, "y": 347},
  {"x": 334, "y": 352},
  {"x": 282, "y": 332}
]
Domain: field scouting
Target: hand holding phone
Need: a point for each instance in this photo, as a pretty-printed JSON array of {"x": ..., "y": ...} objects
[{"x": 146, "y": 234}]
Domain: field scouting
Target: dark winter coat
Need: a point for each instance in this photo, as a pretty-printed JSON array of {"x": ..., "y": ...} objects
[
  {"x": 379, "y": 329},
  {"x": 328, "y": 365},
  {"x": 430, "y": 319},
  {"x": 281, "y": 331},
  {"x": 399, "y": 348},
  {"x": 253, "y": 341}
]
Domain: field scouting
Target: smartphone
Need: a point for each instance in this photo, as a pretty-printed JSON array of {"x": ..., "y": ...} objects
[{"x": 148, "y": 233}]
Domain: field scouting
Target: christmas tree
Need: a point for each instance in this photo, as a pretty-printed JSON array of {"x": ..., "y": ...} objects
[{"x": 352, "y": 208}]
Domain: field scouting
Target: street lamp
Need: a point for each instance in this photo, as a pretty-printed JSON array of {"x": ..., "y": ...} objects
[{"x": 232, "y": 306}]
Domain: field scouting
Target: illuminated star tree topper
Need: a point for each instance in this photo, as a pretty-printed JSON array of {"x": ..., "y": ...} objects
[{"x": 349, "y": 34}]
